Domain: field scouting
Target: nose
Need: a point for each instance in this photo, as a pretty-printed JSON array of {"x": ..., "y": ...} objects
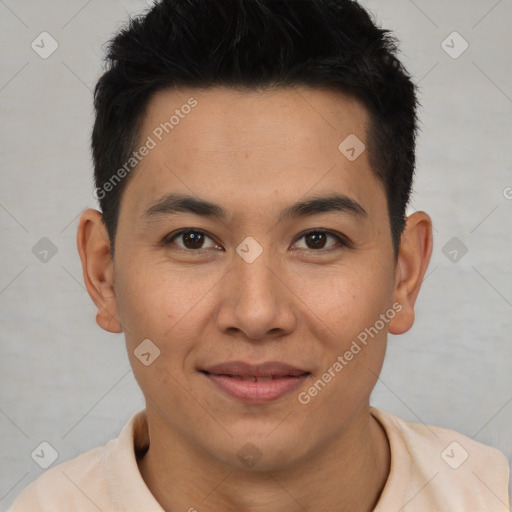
[{"x": 256, "y": 302}]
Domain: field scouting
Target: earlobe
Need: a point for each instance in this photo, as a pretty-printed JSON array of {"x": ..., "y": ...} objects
[
  {"x": 413, "y": 259},
  {"x": 97, "y": 267}
]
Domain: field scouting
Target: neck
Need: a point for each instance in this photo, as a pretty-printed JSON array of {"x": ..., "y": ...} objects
[{"x": 347, "y": 473}]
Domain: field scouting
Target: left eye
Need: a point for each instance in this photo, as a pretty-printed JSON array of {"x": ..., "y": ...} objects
[
  {"x": 194, "y": 240},
  {"x": 317, "y": 240}
]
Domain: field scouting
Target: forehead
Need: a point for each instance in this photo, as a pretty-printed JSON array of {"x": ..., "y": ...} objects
[
  {"x": 228, "y": 118},
  {"x": 262, "y": 146}
]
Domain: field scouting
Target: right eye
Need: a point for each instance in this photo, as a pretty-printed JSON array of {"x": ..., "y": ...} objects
[{"x": 192, "y": 240}]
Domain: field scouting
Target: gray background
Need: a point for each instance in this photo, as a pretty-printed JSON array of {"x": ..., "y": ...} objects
[{"x": 65, "y": 381}]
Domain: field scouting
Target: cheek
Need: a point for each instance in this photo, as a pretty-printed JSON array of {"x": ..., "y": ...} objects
[
  {"x": 153, "y": 304},
  {"x": 137, "y": 302},
  {"x": 347, "y": 305},
  {"x": 362, "y": 320},
  {"x": 344, "y": 300},
  {"x": 157, "y": 301}
]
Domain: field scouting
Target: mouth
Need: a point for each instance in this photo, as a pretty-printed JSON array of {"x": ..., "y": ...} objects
[{"x": 260, "y": 383}]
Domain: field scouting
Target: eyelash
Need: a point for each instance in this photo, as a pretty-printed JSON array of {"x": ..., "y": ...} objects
[{"x": 342, "y": 241}]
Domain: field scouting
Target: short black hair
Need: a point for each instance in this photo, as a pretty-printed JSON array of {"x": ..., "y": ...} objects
[{"x": 255, "y": 44}]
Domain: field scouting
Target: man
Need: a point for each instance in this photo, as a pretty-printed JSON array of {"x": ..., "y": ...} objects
[{"x": 253, "y": 163}]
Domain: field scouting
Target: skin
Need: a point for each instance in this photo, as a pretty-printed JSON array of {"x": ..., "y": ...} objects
[{"x": 255, "y": 153}]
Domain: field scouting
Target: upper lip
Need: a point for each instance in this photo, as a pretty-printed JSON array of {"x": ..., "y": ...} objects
[{"x": 267, "y": 369}]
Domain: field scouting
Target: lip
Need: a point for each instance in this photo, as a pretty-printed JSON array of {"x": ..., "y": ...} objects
[{"x": 241, "y": 380}]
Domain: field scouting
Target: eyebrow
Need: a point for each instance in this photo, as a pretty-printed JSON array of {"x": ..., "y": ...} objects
[{"x": 173, "y": 203}]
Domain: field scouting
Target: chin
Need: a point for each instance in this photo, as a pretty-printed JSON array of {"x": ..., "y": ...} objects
[{"x": 263, "y": 451}]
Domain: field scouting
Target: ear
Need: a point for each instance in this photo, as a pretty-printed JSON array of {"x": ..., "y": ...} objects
[
  {"x": 413, "y": 259},
  {"x": 98, "y": 268}
]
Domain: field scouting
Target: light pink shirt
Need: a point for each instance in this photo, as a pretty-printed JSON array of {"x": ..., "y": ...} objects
[{"x": 433, "y": 469}]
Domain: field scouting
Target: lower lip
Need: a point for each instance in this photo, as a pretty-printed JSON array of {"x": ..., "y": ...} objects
[{"x": 256, "y": 392}]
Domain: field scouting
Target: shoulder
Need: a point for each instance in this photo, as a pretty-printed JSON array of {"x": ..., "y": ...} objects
[
  {"x": 104, "y": 478},
  {"x": 453, "y": 444},
  {"x": 448, "y": 470},
  {"x": 69, "y": 485}
]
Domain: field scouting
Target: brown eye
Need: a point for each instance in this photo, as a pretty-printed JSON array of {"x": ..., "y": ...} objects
[
  {"x": 192, "y": 240},
  {"x": 317, "y": 240}
]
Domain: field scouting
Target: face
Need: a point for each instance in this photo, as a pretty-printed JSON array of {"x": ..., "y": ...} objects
[{"x": 251, "y": 302}]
